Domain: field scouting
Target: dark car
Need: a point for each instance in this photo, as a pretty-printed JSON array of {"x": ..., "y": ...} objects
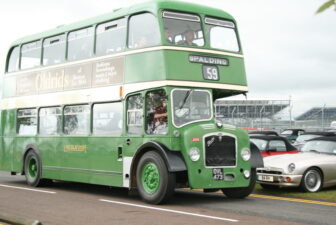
[
  {"x": 301, "y": 140},
  {"x": 263, "y": 133},
  {"x": 292, "y": 134},
  {"x": 273, "y": 145}
]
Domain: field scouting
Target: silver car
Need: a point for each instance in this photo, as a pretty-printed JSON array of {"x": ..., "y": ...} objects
[{"x": 312, "y": 169}]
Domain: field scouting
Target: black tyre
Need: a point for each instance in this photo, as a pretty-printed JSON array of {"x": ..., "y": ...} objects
[
  {"x": 155, "y": 183},
  {"x": 269, "y": 187},
  {"x": 311, "y": 180},
  {"x": 33, "y": 170},
  {"x": 242, "y": 192}
]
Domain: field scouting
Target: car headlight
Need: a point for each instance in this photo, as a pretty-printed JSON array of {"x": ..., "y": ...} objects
[
  {"x": 194, "y": 154},
  {"x": 246, "y": 154},
  {"x": 291, "y": 167}
]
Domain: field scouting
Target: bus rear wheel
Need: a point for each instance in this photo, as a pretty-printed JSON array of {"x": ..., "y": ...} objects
[
  {"x": 33, "y": 170},
  {"x": 242, "y": 192},
  {"x": 155, "y": 183}
]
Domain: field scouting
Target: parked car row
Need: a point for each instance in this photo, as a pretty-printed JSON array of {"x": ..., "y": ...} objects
[{"x": 309, "y": 163}]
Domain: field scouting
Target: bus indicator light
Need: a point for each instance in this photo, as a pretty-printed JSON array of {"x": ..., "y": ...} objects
[{"x": 196, "y": 140}]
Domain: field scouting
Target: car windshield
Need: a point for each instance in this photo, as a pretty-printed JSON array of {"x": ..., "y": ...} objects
[
  {"x": 287, "y": 132},
  {"x": 320, "y": 146},
  {"x": 190, "y": 106},
  {"x": 306, "y": 137},
  {"x": 261, "y": 144}
]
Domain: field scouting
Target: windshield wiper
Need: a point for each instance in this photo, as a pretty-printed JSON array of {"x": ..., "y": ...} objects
[
  {"x": 314, "y": 151},
  {"x": 185, "y": 98}
]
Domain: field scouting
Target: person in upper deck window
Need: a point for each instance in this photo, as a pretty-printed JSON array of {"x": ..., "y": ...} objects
[{"x": 189, "y": 37}]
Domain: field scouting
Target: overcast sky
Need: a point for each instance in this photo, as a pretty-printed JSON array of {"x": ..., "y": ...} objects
[{"x": 289, "y": 51}]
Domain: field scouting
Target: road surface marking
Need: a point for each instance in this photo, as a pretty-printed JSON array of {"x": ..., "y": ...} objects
[
  {"x": 170, "y": 210},
  {"x": 27, "y": 189},
  {"x": 293, "y": 200}
]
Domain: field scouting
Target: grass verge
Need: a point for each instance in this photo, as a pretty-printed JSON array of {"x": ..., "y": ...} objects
[{"x": 328, "y": 194}]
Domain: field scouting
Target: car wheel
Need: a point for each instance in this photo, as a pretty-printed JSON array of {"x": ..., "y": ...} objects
[
  {"x": 242, "y": 192},
  {"x": 311, "y": 180},
  {"x": 155, "y": 183}
]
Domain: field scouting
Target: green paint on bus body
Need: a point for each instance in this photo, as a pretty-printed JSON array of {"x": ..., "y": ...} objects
[{"x": 99, "y": 159}]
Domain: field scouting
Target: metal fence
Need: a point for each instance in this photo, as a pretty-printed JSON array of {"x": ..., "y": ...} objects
[{"x": 272, "y": 115}]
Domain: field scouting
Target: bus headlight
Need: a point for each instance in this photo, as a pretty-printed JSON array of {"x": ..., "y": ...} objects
[
  {"x": 291, "y": 167},
  {"x": 246, "y": 154},
  {"x": 194, "y": 154}
]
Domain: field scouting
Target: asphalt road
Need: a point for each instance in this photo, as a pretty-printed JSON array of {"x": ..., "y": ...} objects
[{"x": 75, "y": 203}]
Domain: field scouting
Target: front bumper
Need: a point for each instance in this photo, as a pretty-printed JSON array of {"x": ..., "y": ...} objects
[{"x": 281, "y": 180}]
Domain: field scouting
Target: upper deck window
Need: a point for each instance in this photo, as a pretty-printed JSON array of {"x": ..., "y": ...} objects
[
  {"x": 183, "y": 29},
  {"x": 54, "y": 50},
  {"x": 111, "y": 37},
  {"x": 31, "y": 55},
  {"x": 13, "y": 61},
  {"x": 222, "y": 34},
  {"x": 143, "y": 31},
  {"x": 80, "y": 44}
]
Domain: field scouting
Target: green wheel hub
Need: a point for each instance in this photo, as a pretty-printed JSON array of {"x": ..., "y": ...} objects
[
  {"x": 32, "y": 167},
  {"x": 150, "y": 178}
]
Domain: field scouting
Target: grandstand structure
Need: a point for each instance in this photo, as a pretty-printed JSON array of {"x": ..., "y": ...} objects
[
  {"x": 254, "y": 114},
  {"x": 320, "y": 117}
]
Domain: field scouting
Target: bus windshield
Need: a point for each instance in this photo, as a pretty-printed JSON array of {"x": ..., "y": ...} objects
[
  {"x": 222, "y": 34},
  {"x": 191, "y": 106},
  {"x": 183, "y": 29}
]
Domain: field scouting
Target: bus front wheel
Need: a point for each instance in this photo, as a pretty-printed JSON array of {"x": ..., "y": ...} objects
[
  {"x": 33, "y": 170},
  {"x": 155, "y": 183},
  {"x": 242, "y": 192}
]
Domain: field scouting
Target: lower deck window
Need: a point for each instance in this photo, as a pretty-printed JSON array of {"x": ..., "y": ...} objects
[
  {"x": 77, "y": 120},
  {"x": 27, "y": 122}
]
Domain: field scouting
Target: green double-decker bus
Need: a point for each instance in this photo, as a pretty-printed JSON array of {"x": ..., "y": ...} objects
[{"x": 126, "y": 99}]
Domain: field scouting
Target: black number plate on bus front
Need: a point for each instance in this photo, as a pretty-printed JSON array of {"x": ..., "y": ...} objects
[
  {"x": 210, "y": 72},
  {"x": 217, "y": 174}
]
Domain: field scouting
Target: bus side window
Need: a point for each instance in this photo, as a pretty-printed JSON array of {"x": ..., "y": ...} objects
[
  {"x": 31, "y": 55},
  {"x": 77, "y": 120},
  {"x": 107, "y": 119},
  {"x": 13, "y": 60},
  {"x": 135, "y": 114},
  {"x": 80, "y": 44},
  {"x": 143, "y": 31},
  {"x": 156, "y": 109},
  {"x": 111, "y": 37},
  {"x": 27, "y": 122},
  {"x": 50, "y": 121},
  {"x": 54, "y": 50}
]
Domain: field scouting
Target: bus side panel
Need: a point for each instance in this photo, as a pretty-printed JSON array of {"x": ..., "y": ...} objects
[
  {"x": 105, "y": 158},
  {"x": 7, "y": 140},
  {"x": 142, "y": 67},
  {"x": 50, "y": 156}
]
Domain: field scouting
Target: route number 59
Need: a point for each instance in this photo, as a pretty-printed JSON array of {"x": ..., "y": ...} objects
[{"x": 210, "y": 73}]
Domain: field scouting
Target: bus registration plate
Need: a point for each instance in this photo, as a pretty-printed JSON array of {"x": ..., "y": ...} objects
[{"x": 217, "y": 174}]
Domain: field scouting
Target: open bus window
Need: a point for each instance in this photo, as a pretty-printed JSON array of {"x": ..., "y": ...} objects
[
  {"x": 76, "y": 120},
  {"x": 27, "y": 122},
  {"x": 80, "y": 44},
  {"x": 31, "y": 55},
  {"x": 191, "y": 106},
  {"x": 50, "y": 121},
  {"x": 107, "y": 119},
  {"x": 53, "y": 50},
  {"x": 156, "y": 104},
  {"x": 14, "y": 59},
  {"x": 183, "y": 29},
  {"x": 222, "y": 34},
  {"x": 135, "y": 114},
  {"x": 110, "y": 37},
  {"x": 143, "y": 31}
]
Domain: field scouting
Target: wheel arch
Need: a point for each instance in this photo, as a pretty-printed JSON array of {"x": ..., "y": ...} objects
[{"x": 173, "y": 159}]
